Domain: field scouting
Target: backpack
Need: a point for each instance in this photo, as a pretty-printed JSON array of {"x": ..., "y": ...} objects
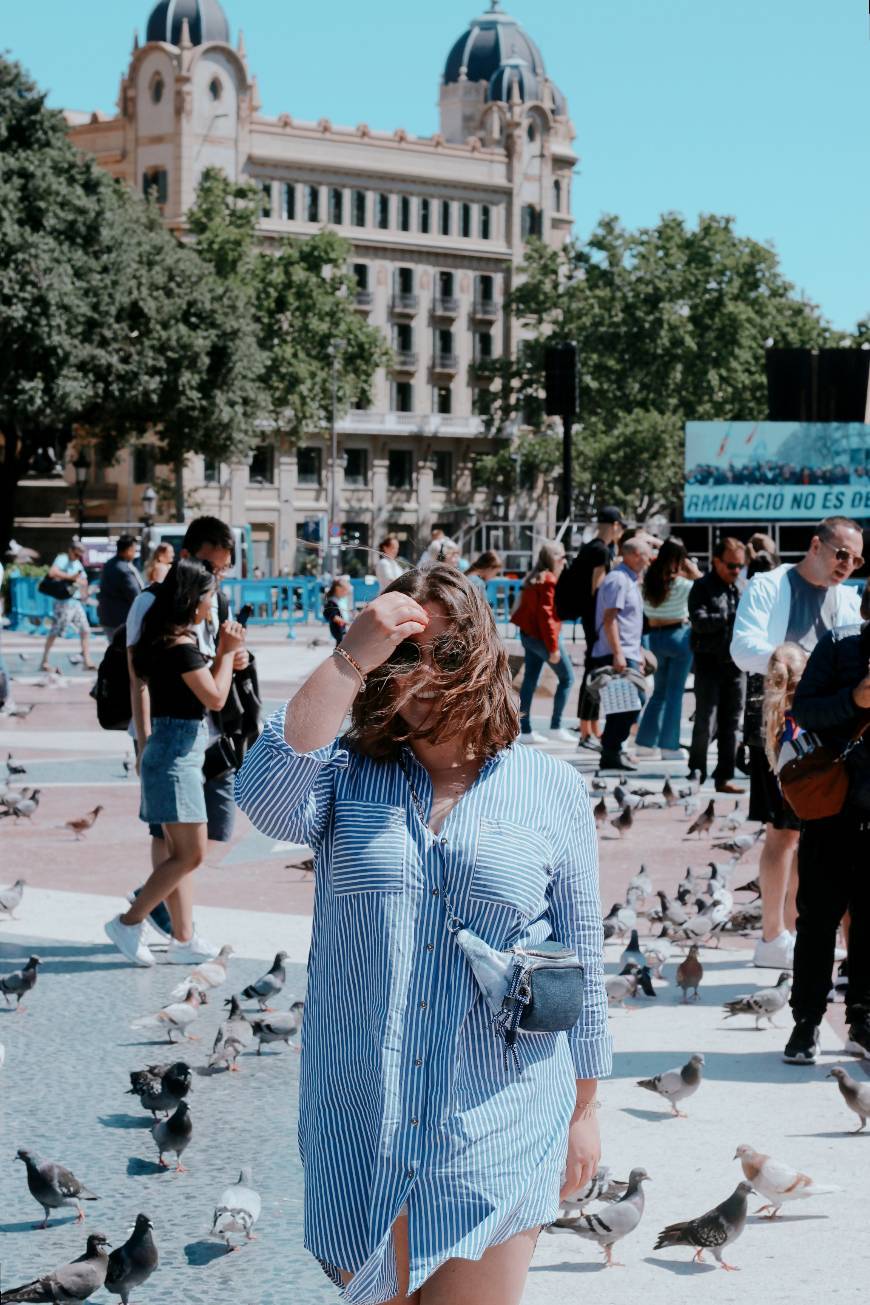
[
  {"x": 568, "y": 595},
  {"x": 112, "y": 689}
]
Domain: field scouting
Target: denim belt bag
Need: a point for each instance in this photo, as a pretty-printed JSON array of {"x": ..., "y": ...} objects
[{"x": 536, "y": 989}]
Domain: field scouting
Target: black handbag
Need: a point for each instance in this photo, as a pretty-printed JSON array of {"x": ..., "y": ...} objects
[
  {"x": 220, "y": 759},
  {"x": 60, "y": 590}
]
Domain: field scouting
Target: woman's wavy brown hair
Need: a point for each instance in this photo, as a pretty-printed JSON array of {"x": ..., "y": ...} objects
[{"x": 476, "y": 699}]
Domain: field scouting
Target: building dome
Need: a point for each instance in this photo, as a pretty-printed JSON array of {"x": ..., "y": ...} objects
[
  {"x": 514, "y": 72},
  {"x": 206, "y": 20},
  {"x": 491, "y": 41}
]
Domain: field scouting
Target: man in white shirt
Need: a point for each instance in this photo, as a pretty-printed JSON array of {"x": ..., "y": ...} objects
[{"x": 791, "y": 604}]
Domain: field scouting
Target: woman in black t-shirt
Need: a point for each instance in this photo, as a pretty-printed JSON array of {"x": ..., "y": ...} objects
[{"x": 182, "y": 688}]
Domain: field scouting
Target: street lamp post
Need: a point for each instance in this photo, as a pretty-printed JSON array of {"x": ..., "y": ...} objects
[
  {"x": 149, "y": 504},
  {"x": 336, "y": 350},
  {"x": 81, "y": 466}
]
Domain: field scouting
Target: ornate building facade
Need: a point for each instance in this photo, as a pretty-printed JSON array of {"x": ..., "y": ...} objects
[{"x": 437, "y": 226}]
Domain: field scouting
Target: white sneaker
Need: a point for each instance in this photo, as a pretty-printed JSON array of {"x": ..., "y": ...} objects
[
  {"x": 532, "y": 737},
  {"x": 192, "y": 952},
  {"x": 674, "y": 754},
  {"x": 128, "y": 940},
  {"x": 559, "y": 735},
  {"x": 777, "y": 954},
  {"x": 647, "y": 752}
]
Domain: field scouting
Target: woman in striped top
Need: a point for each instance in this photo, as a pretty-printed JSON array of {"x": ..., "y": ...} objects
[
  {"x": 666, "y": 588},
  {"x": 430, "y": 1166}
]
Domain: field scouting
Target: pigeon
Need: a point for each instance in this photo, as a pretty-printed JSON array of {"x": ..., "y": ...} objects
[
  {"x": 76, "y": 1281},
  {"x": 641, "y": 882},
  {"x": 174, "y": 1134},
  {"x": 175, "y": 1018},
  {"x": 622, "y": 917},
  {"x": 599, "y": 811},
  {"x": 740, "y": 844},
  {"x": 690, "y": 972},
  {"x": 160, "y": 1087},
  {"x": 279, "y": 1027},
  {"x": 232, "y": 1037},
  {"x": 778, "y": 1182},
  {"x": 676, "y": 1085},
  {"x": 54, "y": 1187},
  {"x": 633, "y": 953},
  {"x": 670, "y": 797},
  {"x": 619, "y": 987},
  {"x": 624, "y": 821},
  {"x": 12, "y": 768},
  {"x": 81, "y": 826},
  {"x": 128, "y": 763},
  {"x": 691, "y": 805},
  {"x": 601, "y": 1187},
  {"x": 11, "y": 897},
  {"x": 712, "y": 1231},
  {"x": 270, "y": 984},
  {"x": 75, "y": 659},
  {"x": 672, "y": 912},
  {"x": 210, "y": 974},
  {"x": 708, "y": 923},
  {"x": 26, "y": 806},
  {"x": 610, "y": 1223},
  {"x": 19, "y": 982},
  {"x": 657, "y": 953},
  {"x": 644, "y": 979},
  {"x": 237, "y": 1210},
  {"x": 703, "y": 823},
  {"x": 598, "y": 785},
  {"x": 132, "y": 1264},
  {"x": 764, "y": 1003},
  {"x": 722, "y": 872},
  {"x": 641, "y": 792},
  {"x": 13, "y": 711},
  {"x": 856, "y": 1095},
  {"x": 731, "y": 823}
]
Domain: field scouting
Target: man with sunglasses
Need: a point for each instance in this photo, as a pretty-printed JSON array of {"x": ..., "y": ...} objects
[
  {"x": 791, "y": 604},
  {"x": 720, "y": 685}
]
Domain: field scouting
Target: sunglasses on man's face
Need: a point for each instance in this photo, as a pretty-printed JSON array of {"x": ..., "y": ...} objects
[
  {"x": 843, "y": 555},
  {"x": 447, "y": 652},
  {"x": 732, "y": 566}
]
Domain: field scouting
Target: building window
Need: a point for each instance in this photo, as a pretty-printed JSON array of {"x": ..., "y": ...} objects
[
  {"x": 405, "y": 280},
  {"x": 263, "y": 465},
  {"x": 336, "y": 206},
  {"x": 403, "y": 396},
  {"x": 358, "y": 208},
  {"x": 383, "y": 212},
  {"x": 405, "y": 213},
  {"x": 211, "y": 471},
  {"x": 265, "y": 199},
  {"x": 445, "y": 343},
  {"x": 425, "y": 216},
  {"x": 312, "y": 203},
  {"x": 215, "y": 89},
  {"x": 557, "y": 196},
  {"x": 156, "y": 181},
  {"x": 442, "y": 476},
  {"x": 356, "y": 471},
  {"x": 288, "y": 202},
  {"x": 483, "y": 350},
  {"x": 466, "y": 221},
  {"x": 532, "y": 224},
  {"x": 444, "y": 399},
  {"x": 400, "y": 469},
  {"x": 485, "y": 222},
  {"x": 361, "y": 275},
  {"x": 157, "y": 89},
  {"x": 445, "y": 285},
  {"x": 445, "y": 217},
  {"x": 404, "y": 337},
  {"x": 144, "y": 464},
  {"x": 485, "y": 289},
  {"x": 532, "y": 133},
  {"x": 308, "y": 464}
]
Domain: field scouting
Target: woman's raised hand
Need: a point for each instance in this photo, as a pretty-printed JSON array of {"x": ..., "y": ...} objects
[
  {"x": 377, "y": 631},
  {"x": 232, "y": 637}
]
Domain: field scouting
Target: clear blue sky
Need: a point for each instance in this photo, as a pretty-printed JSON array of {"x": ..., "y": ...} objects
[{"x": 757, "y": 108}]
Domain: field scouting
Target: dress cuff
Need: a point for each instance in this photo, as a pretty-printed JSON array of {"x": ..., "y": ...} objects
[
  {"x": 592, "y": 1059},
  {"x": 281, "y": 753}
]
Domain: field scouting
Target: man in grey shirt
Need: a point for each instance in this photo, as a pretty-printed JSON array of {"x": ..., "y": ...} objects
[{"x": 619, "y": 623}]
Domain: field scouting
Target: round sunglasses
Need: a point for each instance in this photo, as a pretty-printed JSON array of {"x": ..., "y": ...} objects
[{"x": 447, "y": 652}]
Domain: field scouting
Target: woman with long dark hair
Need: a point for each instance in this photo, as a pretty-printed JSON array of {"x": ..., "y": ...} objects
[
  {"x": 666, "y": 587},
  {"x": 432, "y": 1157},
  {"x": 182, "y": 687},
  {"x": 541, "y": 636}
]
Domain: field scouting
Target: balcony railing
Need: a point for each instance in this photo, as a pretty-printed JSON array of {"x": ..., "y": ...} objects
[
  {"x": 364, "y": 298},
  {"x": 487, "y": 309},
  {"x": 445, "y": 362},
  {"x": 445, "y": 306},
  {"x": 405, "y": 360},
  {"x": 404, "y": 303}
]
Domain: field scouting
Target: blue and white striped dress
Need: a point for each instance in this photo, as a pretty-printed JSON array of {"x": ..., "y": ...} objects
[{"x": 404, "y": 1097}]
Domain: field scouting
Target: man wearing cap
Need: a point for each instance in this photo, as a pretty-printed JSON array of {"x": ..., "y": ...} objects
[
  {"x": 68, "y": 570},
  {"x": 576, "y": 594}
]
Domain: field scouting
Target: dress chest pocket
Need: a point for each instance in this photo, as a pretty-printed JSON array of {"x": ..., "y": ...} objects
[
  {"x": 513, "y": 866},
  {"x": 368, "y": 848}
]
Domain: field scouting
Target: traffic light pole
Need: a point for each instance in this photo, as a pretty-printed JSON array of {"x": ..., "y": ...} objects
[{"x": 567, "y": 467}]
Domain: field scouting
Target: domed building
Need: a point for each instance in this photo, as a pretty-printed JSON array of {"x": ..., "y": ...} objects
[{"x": 437, "y": 226}]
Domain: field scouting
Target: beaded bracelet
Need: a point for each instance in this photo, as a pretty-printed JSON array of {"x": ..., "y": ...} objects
[
  {"x": 338, "y": 651},
  {"x": 587, "y": 1111}
]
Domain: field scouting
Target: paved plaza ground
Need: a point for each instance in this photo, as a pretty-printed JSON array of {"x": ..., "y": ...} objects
[{"x": 67, "y": 1059}]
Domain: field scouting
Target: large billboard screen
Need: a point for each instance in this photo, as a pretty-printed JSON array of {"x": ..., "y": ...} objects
[{"x": 776, "y": 470}]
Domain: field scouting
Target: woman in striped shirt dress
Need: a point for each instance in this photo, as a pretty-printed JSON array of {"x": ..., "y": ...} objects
[{"x": 430, "y": 1164}]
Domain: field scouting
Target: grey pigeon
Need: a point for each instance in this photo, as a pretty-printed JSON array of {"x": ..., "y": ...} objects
[
  {"x": 176, "y": 1017},
  {"x": 209, "y": 974},
  {"x": 599, "y": 811},
  {"x": 740, "y": 844},
  {"x": 676, "y": 1085},
  {"x": 278, "y": 1027},
  {"x": 856, "y": 1095},
  {"x": 601, "y": 1187},
  {"x": 71, "y": 1282},
  {"x": 10, "y": 898},
  {"x": 624, "y": 821},
  {"x": 704, "y": 822},
  {"x": 53, "y": 1187},
  {"x": 672, "y": 912},
  {"x": 237, "y": 1210},
  {"x": 13, "y": 768},
  {"x": 763, "y": 1003},
  {"x": 174, "y": 1134},
  {"x": 132, "y": 1264},
  {"x": 610, "y": 1223},
  {"x": 19, "y": 982},
  {"x": 712, "y": 1231},
  {"x": 598, "y": 785},
  {"x": 232, "y": 1037},
  {"x": 669, "y": 795},
  {"x": 632, "y": 952},
  {"x": 160, "y": 1087},
  {"x": 270, "y": 985}
]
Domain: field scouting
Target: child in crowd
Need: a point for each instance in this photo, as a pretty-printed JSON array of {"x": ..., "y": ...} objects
[{"x": 336, "y": 608}]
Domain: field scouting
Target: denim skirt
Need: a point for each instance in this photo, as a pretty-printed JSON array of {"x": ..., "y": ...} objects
[{"x": 171, "y": 773}]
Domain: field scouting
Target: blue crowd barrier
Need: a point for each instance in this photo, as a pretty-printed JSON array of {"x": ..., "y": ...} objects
[
  {"x": 503, "y": 596},
  {"x": 26, "y": 604},
  {"x": 290, "y": 600}
]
